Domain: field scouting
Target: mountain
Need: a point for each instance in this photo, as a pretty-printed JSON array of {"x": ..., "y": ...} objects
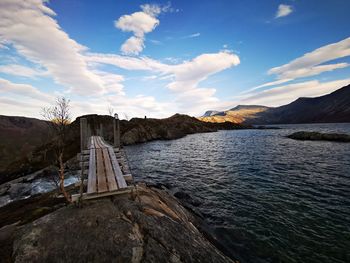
[
  {"x": 333, "y": 107},
  {"x": 211, "y": 113},
  {"x": 237, "y": 114},
  {"x": 330, "y": 108}
]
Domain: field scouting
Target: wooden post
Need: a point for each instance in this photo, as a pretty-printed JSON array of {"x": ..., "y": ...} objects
[
  {"x": 101, "y": 130},
  {"x": 83, "y": 133},
  {"x": 116, "y": 131},
  {"x": 88, "y": 130}
]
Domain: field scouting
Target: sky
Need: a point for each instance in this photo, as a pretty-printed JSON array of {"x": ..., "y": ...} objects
[{"x": 158, "y": 58}]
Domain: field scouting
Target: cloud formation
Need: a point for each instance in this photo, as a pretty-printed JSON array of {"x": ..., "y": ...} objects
[
  {"x": 283, "y": 10},
  {"x": 184, "y": 77},
  {"x": 310, "y": 64},
  {"x": 22, "y": 71},
  {"x": 30, "y": 28},
  {"x": 285, "y": 94},
  {"x": 23, "y": 90},
  {"x": 307, "y": 65},
  {"x": 193, "y": 35},
  {"x": 139, "y": 23}
]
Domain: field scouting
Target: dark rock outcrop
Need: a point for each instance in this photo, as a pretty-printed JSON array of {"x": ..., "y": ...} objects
[
  {"x": 147, "y": 225},
  {"x": 317, "y": 136}
]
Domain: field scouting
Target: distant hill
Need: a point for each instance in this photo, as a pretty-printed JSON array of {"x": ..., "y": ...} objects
[
  {"x": 331, "y": 108},
  {"x": 19, "y": 136},
  {"x": 237, "y": 114}
]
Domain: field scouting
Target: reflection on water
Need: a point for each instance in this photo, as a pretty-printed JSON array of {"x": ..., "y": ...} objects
[{"x": 269, "y": 198}]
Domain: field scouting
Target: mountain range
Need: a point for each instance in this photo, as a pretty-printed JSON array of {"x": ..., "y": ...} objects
[{"x": 331, "y": 108}]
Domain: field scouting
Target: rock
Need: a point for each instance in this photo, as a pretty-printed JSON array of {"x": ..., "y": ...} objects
[
  {"x": 317, "y": 136},
  {"x": 147, "y": 225}
]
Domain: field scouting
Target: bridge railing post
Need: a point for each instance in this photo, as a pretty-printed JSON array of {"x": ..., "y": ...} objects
[
  {"x": 83, "y": 133},
  {"x": 116, "y": 128},
  {"x": 101, "y": 130}
]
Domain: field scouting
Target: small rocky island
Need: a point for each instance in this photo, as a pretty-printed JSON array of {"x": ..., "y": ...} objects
[{"x": 318, "y": 136}]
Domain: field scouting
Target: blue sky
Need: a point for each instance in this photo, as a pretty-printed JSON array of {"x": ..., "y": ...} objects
[{"x": 162, "y": 57}]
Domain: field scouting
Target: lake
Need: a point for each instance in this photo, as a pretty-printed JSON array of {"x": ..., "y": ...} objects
[{"x": 268, "y": 198}]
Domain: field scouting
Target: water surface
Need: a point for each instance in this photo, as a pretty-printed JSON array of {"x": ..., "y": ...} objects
[{"x": 268, "y": 198}]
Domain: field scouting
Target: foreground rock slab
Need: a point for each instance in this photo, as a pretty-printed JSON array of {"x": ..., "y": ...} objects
[
  {"x": 317, "y": 136},
  {"x": 147, "y": 225}
]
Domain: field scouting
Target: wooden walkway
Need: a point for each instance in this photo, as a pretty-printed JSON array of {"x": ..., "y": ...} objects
[{"x": 104, "y": 173}]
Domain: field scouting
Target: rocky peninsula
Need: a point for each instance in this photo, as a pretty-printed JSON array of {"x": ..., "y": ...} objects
[{"x": 146, "y": 225}]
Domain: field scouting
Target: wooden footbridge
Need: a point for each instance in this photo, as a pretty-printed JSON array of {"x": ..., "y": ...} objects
[{"x": 104, "y": 168}]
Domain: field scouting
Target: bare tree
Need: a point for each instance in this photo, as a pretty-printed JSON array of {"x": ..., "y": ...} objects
[
  {"x": 59, "y": 118},
  {"x": 126, "y": 116},
  {"x": 110, "y": 110}
]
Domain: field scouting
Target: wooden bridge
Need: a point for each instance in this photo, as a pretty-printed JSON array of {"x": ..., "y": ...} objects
[{"x": 104, "y": 168}]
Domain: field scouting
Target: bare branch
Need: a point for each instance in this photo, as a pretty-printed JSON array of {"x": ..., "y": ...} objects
[
  {"x": 59, "y": 118},
  {"x": 110, "y": 110}
]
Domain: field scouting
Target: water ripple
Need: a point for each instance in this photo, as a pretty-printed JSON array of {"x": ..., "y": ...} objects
[{"x": 269, "y": 198}]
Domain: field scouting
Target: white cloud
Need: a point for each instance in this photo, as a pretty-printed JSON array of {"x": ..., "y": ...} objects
[
  {"x": 23, "y": 90},
  {"x": 29, "y": 27},
  {"x": 156, "y": 42},
  {"x": 190, "y": 73},
  {"x": 283, "y": 10},
  {"x": 125, "y": 62},
  {"x": 22, "y": 71},
  {"x": 184, "y": 77},
  {"x": 310, "y": 71},
  {"x": 111, "y": 82},
  {"x": 272, "y": 83},
  {"x": 193, "y": 35},
  {"x": 307, "y": 62},
  {"x": 285, "y": 94},
  {"x": 133, "y": 46},
  {"x": 140, "y": 23},
  {"x": 310, "y": 64}
]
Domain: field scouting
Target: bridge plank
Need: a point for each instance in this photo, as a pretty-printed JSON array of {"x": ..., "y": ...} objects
[
  {"x": 92, "y": 172},
  {"x": 97, "y": 144},
  {"x": 117, "y": 172},
  {"x": 112, "y": 184},
  {"x": 101, "y": 175}
]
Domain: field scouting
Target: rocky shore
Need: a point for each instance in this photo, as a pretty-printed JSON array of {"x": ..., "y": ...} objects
[
  {"x": 147, "y": 225},
  {"x": 317, "y": 136}
]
